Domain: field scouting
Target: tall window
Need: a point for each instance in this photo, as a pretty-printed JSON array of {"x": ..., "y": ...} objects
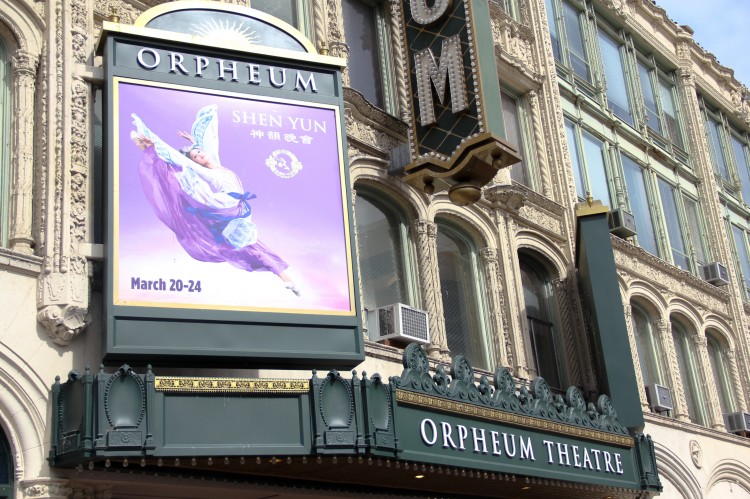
[
  {"x": 461, "y": 284},
  {"x": 743, "y": 259},
  {"x": 290, "y": 11},
  {"x": 366, "y": 32},
  {"x": 514, "y": 119},
  {"x": 647, "y": 346},
  {"x": 720, "y": 372},
  {"x": 739, "y": 151},
  {"x": 384, "y": 258},
  {"x": 687, "y": 364},
  {"x": 570, "y": 50},
  {"x": 541, "y": 313},
  {"x": 587, "y": 154},
  {"x": 639, "y": 204},
  {"x": 5, "y": 114},
  {"x": 716, "y": 139},
  {"x": 680, "y": 256},
  {"x": 614, "y": 71}
]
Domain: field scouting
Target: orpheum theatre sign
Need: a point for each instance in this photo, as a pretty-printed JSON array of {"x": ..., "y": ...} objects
[
  {"x": 457, "y": 132},
  {"x": 229, "y": 229}
]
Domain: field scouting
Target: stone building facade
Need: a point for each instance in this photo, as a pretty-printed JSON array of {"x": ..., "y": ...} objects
[{"x": 607, "y": 97}]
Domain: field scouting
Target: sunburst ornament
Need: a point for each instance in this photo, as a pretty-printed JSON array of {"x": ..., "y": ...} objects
[{"x": 226, "y": 31}]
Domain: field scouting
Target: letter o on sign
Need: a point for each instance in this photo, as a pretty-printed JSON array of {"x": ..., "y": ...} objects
[
  {"x": 154, "y": 55},
  {"x": 423, "y": 431},
  {"x": 425, "y": 15}
]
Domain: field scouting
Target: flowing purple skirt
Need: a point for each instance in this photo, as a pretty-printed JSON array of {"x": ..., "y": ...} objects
[{"x": 188, "y": 219}]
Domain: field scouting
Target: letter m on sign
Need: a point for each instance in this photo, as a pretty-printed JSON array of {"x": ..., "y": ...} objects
[{"x": 431, "y": 72}]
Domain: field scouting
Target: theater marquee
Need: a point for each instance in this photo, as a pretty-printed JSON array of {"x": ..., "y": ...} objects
[{"x": 229, "y": 231}]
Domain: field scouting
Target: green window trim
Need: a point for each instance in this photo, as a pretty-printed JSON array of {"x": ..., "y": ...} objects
[
  {"x": 545, "y": 343},
  {"x": 689, "y": 374},
  {"x": 397, "y": 262},
  {"x": 517, "y": 123},
  {"x": 383, "y": 74},
  {"x": 717, "y": 356},
  {"x": 647, "y": 346},
  {"x": 589, "y": 156},
  {"x": 741, "y": 259},
  {"x": 295, "y": 12},
  {"x": 571, "y": 34},
  {"x": 464, "y": 296}
]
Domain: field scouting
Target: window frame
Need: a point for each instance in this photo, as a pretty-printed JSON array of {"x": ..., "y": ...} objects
[
  {"x": 583, "y": 161},
  {"x": 392, "y": 209},
  {"x": 481, "y": 337},
  {"x": 719, "y": 364},
  {"x": 565, "y": 66},
  {"x": 384, "y": 56},
  {"x": 524, "y": 124},
  {"x": 536, "y": 264},
  {"x": 649, "y": 355},
  {"x": 687, "y": 365}
]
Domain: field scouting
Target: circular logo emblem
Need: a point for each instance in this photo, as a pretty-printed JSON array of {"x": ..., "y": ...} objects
[{"x": 283, "y": 163}]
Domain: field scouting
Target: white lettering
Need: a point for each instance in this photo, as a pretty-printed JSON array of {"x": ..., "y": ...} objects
[
  {"x": 576, "y": 456},
  {"x": 495, "y": 443},
  {"x": 423, "y": 432},
  {"x": 175, "y": 62},
  {"x": 527, "y": 451},
  {"x": 596, "y": 453},
  {"x": 562, "y": 451},
  {"x": 477, "y": 438},
  {"x": 232, "y": 68},
  {"x": 618, "y": 463},
  {"x": 254, "y": 71},
  {"x": 275, "y": 83},
  {"x": 430, "y": 72},
  {"x": 462, "y": 434},
  {"x": 587, "y": 459},
  {"x": 447, "y": 440},
  {"x": 154, "y": 54},
  {"x": 608, "y": 463},
  {"x": 427, "y": 15},
  {"x": 300, "y": 83},
  {"x": 508, "y": 452},
  {"x": 201, "y": 63},
  {"x": 549, "y": 444}
]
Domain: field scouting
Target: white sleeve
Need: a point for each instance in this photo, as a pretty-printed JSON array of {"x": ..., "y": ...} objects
[{"x": 205, "y": 132}]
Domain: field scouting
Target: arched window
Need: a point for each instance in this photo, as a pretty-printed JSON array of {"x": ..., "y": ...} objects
[
  {"x": 649, "y": 352},
  {"x": 462, "y": 288},
  {"x": 688, "y": 367},
  {"x": 384, "y": 257},
  {"x": 6, "y": 468},
  {"x": 4, "y": 146},
  {"x": 541, "y": 313},
  {"x": 717, "y": 356}
]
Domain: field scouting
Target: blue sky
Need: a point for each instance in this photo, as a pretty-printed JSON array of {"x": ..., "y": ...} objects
[{"x": 721, "y": 26}]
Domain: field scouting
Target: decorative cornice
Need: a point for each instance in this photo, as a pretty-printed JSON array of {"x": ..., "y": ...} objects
[
  {"x": 21, "y": 263},
  {"x": 374, "y": 116},
  {"x": 230, "y": 385}
]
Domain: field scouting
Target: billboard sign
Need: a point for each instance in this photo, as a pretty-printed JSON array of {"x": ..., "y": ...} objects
[{"x": 229, "y": 227}]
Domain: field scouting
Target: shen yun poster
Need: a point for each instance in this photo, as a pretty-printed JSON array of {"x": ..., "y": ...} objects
[{"x": 225, "y": 201}]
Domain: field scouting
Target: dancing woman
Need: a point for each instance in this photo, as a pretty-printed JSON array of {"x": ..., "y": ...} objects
[{"x": 201, "y": 201}]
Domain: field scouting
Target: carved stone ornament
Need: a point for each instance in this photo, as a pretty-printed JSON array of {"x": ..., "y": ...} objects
[
  {"x": 64, "y": 302},
  {"x": 46, "y": 489},
  {"x": 696, "y": 454}
]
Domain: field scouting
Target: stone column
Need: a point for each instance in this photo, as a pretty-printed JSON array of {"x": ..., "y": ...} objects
[
  {"x": 425, "y": 235},
  {"x": 320, "y": 16},
  {"x": 672, "y": 373},
  {"x": 399, "y": 55},
  {"x": 24, "y": 67},
  {"x": 541, "y": 151},
  {"x": 734, "y": 377},
  {"x": 496, "y": 305}
]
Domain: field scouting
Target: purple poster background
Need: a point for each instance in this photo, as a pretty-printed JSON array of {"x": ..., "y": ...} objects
[{"x": 299, "y": 217}]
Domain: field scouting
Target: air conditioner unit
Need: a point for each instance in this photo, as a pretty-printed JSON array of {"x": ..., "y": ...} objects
[
  {"x": 715, "y": 273},
  {"x": 398, "y": 321},
  {"x": 659, "y": 398},
  {"x": 621, "y": 223},
  {"x": 737, "y": 422}
]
